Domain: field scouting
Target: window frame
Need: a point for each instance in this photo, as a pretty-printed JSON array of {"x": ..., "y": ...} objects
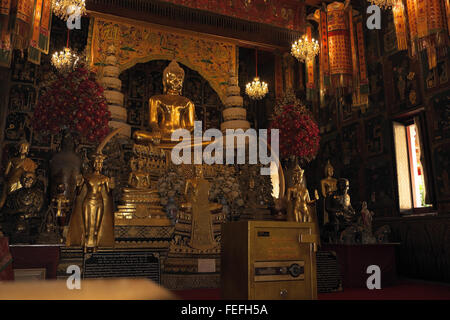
[{"x": 407, "y": 119}]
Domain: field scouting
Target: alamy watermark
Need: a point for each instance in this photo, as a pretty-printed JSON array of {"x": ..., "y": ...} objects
[
  {"x": 74, "y": 19},
  {"x": 234, "y": 140},
  {"x": 374, "y": 281},
  {"x": 74, "y": 280},
  {"x": 374, "y": 20}
]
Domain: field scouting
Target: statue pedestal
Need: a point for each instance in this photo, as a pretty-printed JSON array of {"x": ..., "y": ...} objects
[{"x": 186, "y": 267}]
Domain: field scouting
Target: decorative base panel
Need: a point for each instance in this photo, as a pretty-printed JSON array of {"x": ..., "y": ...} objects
[
  {"x": 143, "y": 236},
  {"x": 190, "y": 281}
]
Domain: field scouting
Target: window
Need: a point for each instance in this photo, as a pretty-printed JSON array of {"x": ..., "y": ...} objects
[{"x": 413, "y": 192}]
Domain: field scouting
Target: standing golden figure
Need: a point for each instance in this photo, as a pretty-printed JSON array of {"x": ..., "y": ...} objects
[
  {"x": 298, "y": 199},
  {"x": 14, "y": 170},
  {"x": 92, "y": 220},
  {"x": 197, "y": 196},
  {"x": 168, "y": 111}
]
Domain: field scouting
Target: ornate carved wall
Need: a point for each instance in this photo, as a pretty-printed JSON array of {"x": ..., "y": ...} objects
[{"x": 139, "y": 42}]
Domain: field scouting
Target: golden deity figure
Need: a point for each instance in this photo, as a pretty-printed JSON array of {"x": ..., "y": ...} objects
[
  {"x": 60, "y": 202},
  {"x": 197, "y": 196},
  {"x": 14, "y": 170},
  {"x": 138, "y": 178},
  {"x": 168, "y": 111},
  {"x": 328, "y": 186},
  {"x": 298, "y": 199},
  {"x": 92, "y": 220}
]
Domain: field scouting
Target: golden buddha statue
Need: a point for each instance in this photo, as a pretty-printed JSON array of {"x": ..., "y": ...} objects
[
  {"x": 197, "y": 196},
  {"x": 328, "y": 186},
  {"x": 299, "y": 200},
  {"x": 92, "y": 221},
  {"x": 168, "y": 111},
  {"x": 138, "y": 177},
  {"x": 14, "y": 170}
]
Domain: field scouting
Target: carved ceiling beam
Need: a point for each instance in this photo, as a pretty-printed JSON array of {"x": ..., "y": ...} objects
[{"x": 246, "y": 33}]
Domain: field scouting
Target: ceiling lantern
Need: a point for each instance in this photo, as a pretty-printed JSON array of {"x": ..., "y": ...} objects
[
  {"x": 65, "y": 8},
  {"x": 257, "y": 89},
  {"x": 339, "y": 46},
  {"x": 427, "y": 27}
]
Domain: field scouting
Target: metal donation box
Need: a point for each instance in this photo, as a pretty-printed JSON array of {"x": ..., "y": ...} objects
[{"x": 268, "y": 260}]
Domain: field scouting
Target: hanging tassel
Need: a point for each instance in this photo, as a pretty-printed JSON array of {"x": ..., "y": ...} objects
[
  {"x": 324, "y": 59},
  {"x": 400, "y": 26},
  {"x": 22, "y": 28},
  {"x": 46, "y": 24}
]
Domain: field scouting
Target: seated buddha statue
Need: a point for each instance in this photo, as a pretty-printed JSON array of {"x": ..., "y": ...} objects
[
  {"x": 339, "y": 208},
  {"x": 138, "y": 177},
  {"x": 14, "y": 170},
  {"x": 168, "y": 111},
  {"x": 328, "y": 186},
  {"x": 23, "y": 209}
]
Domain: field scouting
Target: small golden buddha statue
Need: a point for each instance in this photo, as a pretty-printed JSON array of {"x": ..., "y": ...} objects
[
  {"x": 14, "y": 170},
  {"x": 328, "y": 186},
  {"x": 168, "y": 111},
  {"x": 298, "y": 209},
  {"x": 197, "y": 196},
  {"x": 92, "y": 221},
  {"x": 138, "y": 177}
]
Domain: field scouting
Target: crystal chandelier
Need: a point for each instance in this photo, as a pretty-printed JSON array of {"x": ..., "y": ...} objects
[
  {"x": 64, "y": 8},
  {"x": 304, "y": 49},
  {"x": 256, "y": 89},
  {"x": 383, "y": 4},
  {"x": 65, "y": 60}
]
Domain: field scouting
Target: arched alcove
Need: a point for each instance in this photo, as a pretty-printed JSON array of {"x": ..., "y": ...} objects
[{"x": 144, "y": 80}]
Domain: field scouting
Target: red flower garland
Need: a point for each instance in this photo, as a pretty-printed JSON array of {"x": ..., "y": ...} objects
[
  {"x": 299, "y": 133},
  {"x": 73, "y": 102}
]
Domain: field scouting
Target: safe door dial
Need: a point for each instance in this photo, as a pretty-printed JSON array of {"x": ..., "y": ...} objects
[{"x": 295, "y": 270}]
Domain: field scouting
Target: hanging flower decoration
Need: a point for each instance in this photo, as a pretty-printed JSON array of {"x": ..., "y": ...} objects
[
  {"x": 299, "y": 133},
  {"x": 73, "y": 101}
]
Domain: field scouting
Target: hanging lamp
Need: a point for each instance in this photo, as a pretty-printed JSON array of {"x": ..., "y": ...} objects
[
  {"x": 65, "y": 60},
  {"x": 256, "y": 89}
]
